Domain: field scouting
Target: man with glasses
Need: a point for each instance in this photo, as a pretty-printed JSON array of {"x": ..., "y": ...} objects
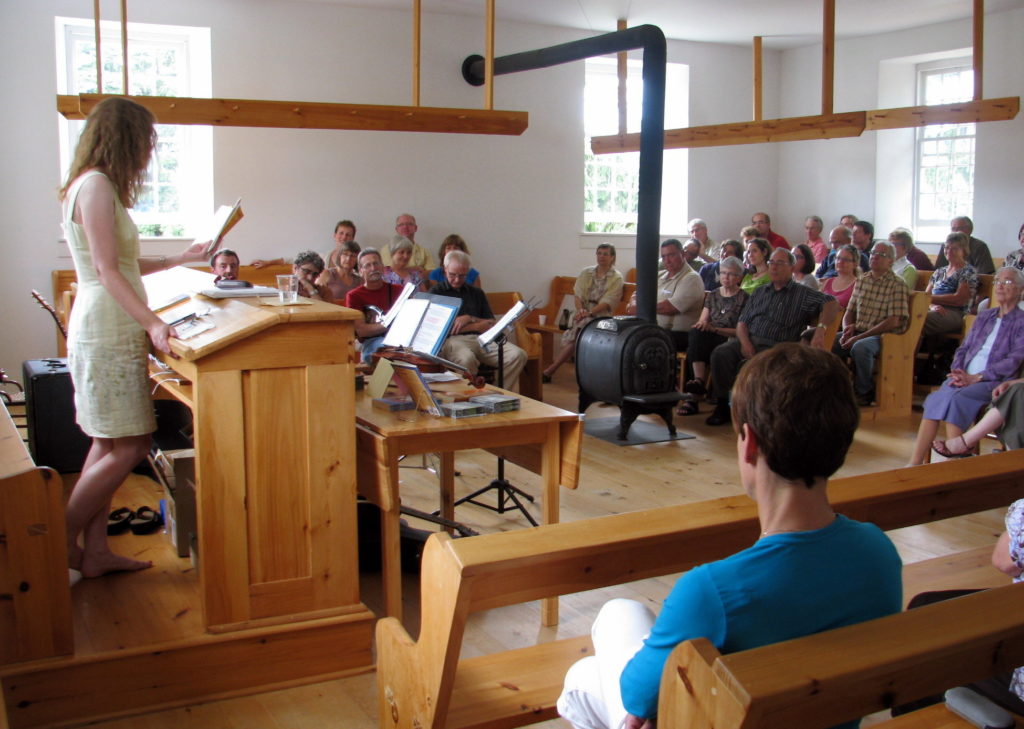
[
  {"x": 839, "y": 237},
  {"x": 405, "y": 227},
  {"x": 307, "y": 268},
  {"x": 763, "y": 223},
  {"x": 879, "y": 304},
  {"x": 376, "y": 293},
  {"x": 475, "y": 317},
  {"x": 777, "y": 312}
]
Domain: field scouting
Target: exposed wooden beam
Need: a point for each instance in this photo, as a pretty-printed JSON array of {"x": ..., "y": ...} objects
[
  {"x": 415, "y": 52},
  {"x": 304, "y": 115},
  {"x": 758, "y": 80},
  {"x": 99, "y": 52},
  {"x": 979, "y": 47},
  {"x": 791, "y": 129},
  {"x": 489, "y": 58},
  {"x": 622, "y": 67},
  {"x": 828, "y": 56},
  {"x": 984, "y": 110},
  {"x": 124, "y": 48}
]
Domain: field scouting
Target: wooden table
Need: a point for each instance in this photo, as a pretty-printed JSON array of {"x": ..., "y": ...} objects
[{"x": 539, "y": 437}]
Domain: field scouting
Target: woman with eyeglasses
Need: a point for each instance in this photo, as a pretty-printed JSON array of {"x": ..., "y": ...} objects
[
  {"x": 952, "y": 288},
  {"x": 992, "y": 353},
  {"x": 1015, "y": 259},
  {"x": 847, "y": 269}
]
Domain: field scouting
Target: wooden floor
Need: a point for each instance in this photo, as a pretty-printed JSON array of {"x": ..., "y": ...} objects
[{"x": 126, "y": 610}]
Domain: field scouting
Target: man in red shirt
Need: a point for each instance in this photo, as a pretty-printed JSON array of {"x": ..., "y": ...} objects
[
  {"x": 373, "y": 292},
  {"x": 763, "y": 223}
]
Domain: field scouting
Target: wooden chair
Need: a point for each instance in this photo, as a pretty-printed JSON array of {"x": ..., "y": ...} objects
[
  {"x": 35, "y": 601},
  {"x": 530, "y": 379},
  {"x": 840, "y": 675},
  {"x": 561, "y": 286},
  {"x": 894, "y": 369},
  {"x": 423, "y": 683}
]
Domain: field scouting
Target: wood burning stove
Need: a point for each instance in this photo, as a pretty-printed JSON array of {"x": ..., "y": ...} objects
[{"x": 628, "y": 362}]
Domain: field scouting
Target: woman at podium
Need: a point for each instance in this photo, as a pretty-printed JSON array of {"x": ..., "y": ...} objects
[{"x": 110, "y": 322}]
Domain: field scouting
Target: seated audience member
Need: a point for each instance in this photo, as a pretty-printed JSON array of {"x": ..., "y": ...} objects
[
  {"x": 763, "y": 223},
  {"x": 863, "y": 237},
  {"x": 918, "y": 258},
  {"x": 952, "y": 288},
  {"x": 374, "y": 292},
  {"x": 991, "y": 353},
  {"x": 474, "y": 318},
  {"x": 803, "y": 273},
  {"x": 718, "y": 319},
  {"x": 344, "y": 232},
  {"x": 978, "y": 254},
  {"x": 1015, "y": 259},
  {"x": 709, "y": 252},
  {"x": 691, "y": 254},
  {"x": 709, "y": 272},
  {"x": 756, "y": 257},
  {"x": 813, "y": 226},
  {"x": 902, "y": 241},
  {"x": 405, "y": 227},
  {"x": 339, "y": 276},
  {"x": 747, "y": 234},
  {"x": 841, "y": 285},
  {"x": 400, "y": 271},
  {"x": 598, "y": 290},
  {"x": 225, "y": 265},
  {"x": 454, "y": 242},
  {"x": 307, "y": 268},
  {"x": 680, "y": 295},
  {"x": 775, "y": 313},
  {"x": 838, "y": 237},
  {"x": 1005, "y": 416},
  {"x": 810, "y": 570},
  {"x": 848, "y": 220},
  {"x": 879, "y": 304}
]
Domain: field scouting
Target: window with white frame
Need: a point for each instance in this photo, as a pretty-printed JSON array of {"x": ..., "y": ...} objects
[
  {"x": 163, "y": 61},
  {"x": 611, "y": 181},
  {"x": 944, "y": 164}
]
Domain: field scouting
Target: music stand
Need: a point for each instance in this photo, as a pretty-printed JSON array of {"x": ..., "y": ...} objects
[{"x": 506, "y": 492}]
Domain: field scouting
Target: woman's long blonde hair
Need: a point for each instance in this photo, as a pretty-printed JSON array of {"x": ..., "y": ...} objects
[{"x": 118, "y": 139}]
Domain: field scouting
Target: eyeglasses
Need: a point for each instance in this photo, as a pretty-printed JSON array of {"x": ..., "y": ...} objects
[
  {"x": 880, "y": 254},
  {"x": 309, "y": 271},
  {"x": 1005, "y": 282},
  {"x": 451, "y": 275}
]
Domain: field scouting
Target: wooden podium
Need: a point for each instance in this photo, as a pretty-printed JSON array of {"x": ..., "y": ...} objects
[{"x": 271, "y": 390}]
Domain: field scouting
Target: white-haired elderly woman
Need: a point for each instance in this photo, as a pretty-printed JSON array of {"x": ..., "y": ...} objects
[
  {"x": 716, "y": 324},
  {"x": 400, "y": 271},
  {"x": 991, "y": 353}
]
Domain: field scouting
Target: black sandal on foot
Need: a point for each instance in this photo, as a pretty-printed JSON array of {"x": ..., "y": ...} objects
[
  {"x": 119, "y": 520},
  {"x": 695, "y": 387},
  {"x": 146, "y": 521},
  {"x": 689, "y": 407},
  {"x": 940, "y": 447}
]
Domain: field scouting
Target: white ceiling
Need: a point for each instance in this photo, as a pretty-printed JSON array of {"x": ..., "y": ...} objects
[{"x": 782, "y": 23}]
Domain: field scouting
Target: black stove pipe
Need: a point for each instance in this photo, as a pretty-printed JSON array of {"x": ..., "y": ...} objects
[{"x": 652, "y": 130}]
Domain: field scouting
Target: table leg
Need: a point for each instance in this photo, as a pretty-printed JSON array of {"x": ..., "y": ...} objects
[
  {"x": 550, "y": 468},
  {"x": 446, "y": 477}
]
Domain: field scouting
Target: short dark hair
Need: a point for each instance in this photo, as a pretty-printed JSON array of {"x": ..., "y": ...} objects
[
  {"x": 606, "y": 247},
  {"x": 735, "y": 245},
  {"x": 674, "y": 242},
  {"x": 808, "y": 266},
  {"x": 223, "y": 252},
  {"x": 762, "y": 245},
  {"x": 772, "y": 394},
  {"x": 345, "y": 224},
  {"x": 868, "y": 228},
  {"x": 452, "y": 240}
]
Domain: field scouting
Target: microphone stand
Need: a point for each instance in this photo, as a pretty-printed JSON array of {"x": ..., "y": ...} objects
[{"x": 506, "y": 492}]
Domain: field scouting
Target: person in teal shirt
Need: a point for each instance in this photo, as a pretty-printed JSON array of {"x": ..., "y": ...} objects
[{"x": 810, "y": 570}]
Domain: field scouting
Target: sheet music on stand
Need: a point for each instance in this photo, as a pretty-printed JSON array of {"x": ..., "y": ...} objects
[
  {"x": 397, "y": 306},
  {"x": 517, "y": 312}
]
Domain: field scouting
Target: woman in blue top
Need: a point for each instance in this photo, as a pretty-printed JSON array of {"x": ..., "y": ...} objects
[
  {"x": 810, "y": 570},
  {"x": 454, "y": 242},
  {"x": 952, "y": 288}
]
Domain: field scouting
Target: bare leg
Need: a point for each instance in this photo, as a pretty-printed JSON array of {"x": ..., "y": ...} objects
[
  {"x": 989, "y": 423},
  {"x": 560, "y": 359},
  {"x": 90, "y": 501},
  {"x": 922, "y": 446},
  {"x": 99, "y": 448},
  {"x": 700, "y": 371}
]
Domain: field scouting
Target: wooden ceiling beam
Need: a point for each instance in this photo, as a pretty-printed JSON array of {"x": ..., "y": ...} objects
[
  {"x": 306, "y": 115},
  {"x": 825, "y": 126},
  {"x": 985, "y": 110}
]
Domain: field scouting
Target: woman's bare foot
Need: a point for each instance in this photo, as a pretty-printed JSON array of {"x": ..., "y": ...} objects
[
  {"x": 97, "y": 565},
  {"x": 75, "y": 557}
]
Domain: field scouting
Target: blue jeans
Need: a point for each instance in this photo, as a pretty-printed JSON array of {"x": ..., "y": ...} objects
[
  {"x": 864, "y": 352},
  {"x": 370, "y": 346}
]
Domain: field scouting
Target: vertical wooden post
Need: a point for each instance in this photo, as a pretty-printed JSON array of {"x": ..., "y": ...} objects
[
  {"x": 979, "y": 47},
  {"x": 489, "y": 59},
  {"x": 828, "y": 56},
  {"x": 124, "y": 46},
  {"x": 99, "y": 52},
  {"x": 623, "y": 72},
  {"x": 758, "y": 81},
  {"x": 415, "y": 52}
]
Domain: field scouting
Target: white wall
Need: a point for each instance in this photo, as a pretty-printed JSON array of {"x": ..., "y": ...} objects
[{"x": 829, "y": 178}]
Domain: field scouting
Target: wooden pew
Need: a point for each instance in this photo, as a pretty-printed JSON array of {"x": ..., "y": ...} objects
[
  {"x": 840, "y": 675},
  {"x": 35, "y": 601},
  {"x": 894, "y": 376},
  {"x": 529, "y": 381},
  {"x": 561, "y": 286},
  {"x": 423, "y": 683}
]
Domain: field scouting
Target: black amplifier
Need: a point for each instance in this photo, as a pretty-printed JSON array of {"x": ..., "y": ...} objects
[{"x": 54, "y": 439}]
